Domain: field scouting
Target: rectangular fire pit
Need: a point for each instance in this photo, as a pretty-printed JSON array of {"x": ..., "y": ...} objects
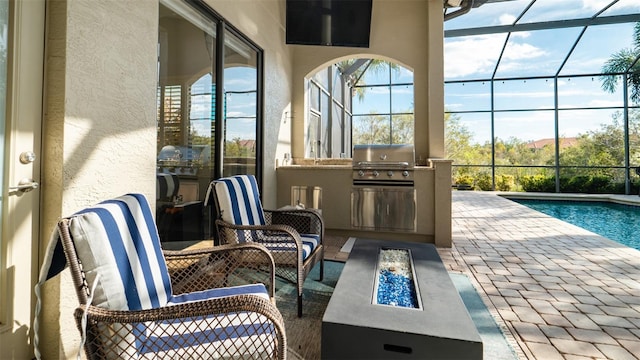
[{"x": 356, "y": 326}]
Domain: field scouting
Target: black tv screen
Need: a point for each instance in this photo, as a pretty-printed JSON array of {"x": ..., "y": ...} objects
[{"x": 328, "y": 22}]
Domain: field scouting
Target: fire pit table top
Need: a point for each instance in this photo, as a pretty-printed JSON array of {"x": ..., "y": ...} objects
[{"x": 353, "y": 325}]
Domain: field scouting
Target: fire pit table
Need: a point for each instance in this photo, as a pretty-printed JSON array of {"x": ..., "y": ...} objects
[{"x": 360, "y": 322}]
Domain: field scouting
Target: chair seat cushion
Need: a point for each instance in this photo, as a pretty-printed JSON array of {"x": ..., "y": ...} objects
[
  {"x": 277, "y": 244},
  {"x": 177, "y": 338},
  {"x": 253, "y": 289},
  {"x": 243, "y": 334}
]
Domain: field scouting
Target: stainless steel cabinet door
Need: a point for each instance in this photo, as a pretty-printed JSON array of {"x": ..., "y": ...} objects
[{"x": 383, "y": 208}]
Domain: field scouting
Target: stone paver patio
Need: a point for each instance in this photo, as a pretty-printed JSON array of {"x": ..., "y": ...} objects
[{"x": 559, "y": 291}]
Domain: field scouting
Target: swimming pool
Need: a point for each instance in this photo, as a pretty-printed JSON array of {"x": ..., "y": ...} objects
[{"x": 614, "y": 221}]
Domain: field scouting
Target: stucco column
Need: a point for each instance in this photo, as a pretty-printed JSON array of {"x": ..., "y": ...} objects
[
  {"x": 435, "y": 66},
  {"x": 442, "y": 200},
  {"x": 442, "y": 183}
]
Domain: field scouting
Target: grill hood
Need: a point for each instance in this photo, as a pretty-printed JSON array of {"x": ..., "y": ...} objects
[{"x": 383, "y": 156}]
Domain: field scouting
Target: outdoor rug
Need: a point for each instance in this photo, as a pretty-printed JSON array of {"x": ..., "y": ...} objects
[{"x": 303, "y": 334}]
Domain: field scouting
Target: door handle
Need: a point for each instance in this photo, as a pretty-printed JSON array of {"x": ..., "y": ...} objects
[{"x": 25, "y": 185}]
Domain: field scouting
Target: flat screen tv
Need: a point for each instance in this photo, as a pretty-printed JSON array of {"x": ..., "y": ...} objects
[{"x": 328, "y": 22}]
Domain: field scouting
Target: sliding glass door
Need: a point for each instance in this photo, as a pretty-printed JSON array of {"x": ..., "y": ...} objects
[{"x": 209, "y": 115}]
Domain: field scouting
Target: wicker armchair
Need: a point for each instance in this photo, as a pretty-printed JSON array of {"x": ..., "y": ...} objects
[
  {"x": 138, "y": 301},
  {"x": 294, "y": 237}
]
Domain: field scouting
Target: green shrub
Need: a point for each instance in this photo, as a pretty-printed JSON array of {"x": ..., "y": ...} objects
[
  {"x": 538, "y": 183},
  {"x": 564, "y": 183},
  {"x": 505, "y": 182},
  {"x": 600, "y": 184},
  {"x": 577, "y": 184},
  {"x": 483, "y": 182},
  {"x": 635, "y": 187},
  {"x": 619, "y": 188},
  {"x": 464, "y": 180},
  {"x": 588, "y": 184}
]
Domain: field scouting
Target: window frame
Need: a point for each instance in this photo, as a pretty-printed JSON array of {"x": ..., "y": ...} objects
[
  {"x": 340, "y": 115},
  {"x": 223, "y": 27}
]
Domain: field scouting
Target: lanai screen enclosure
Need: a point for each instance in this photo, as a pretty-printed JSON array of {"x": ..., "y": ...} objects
[{"x": 543, "y": 95}]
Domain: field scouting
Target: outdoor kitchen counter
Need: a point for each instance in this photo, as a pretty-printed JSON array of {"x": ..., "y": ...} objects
[
  {"x": 433, "y": 191},
  {"x": 335, "y": 181}
]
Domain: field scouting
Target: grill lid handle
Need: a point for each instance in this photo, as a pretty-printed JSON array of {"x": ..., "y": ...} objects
[{"x": 382, "y": 163}]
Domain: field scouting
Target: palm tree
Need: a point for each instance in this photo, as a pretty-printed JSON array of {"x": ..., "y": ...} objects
[
  {"x": 355, "y": 68},
  {"x": 624, "y": 61}
]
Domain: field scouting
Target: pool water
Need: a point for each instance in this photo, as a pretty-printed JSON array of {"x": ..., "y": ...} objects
[{"x": 617, "y": 222}]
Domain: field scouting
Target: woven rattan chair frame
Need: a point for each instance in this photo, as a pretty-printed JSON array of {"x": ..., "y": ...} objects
[
  {"x": 283, "y": 226},
  {"x": 192, "y": 270}
]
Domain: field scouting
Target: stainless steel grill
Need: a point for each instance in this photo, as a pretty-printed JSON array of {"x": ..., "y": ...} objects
[
  {"x": 383, "y": 196},
  {"x": 386, "y": 164}
]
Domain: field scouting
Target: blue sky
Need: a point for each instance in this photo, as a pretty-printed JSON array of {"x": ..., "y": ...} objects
[
  {"x": 377, "y": 98},
  {"x": 239, "y": 78},
  {"x": 535, "y": 53}
]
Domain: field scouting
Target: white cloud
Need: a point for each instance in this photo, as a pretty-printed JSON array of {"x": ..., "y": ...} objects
[
  {"x": 471, "y": 55},
  {"x": 242, "y": 83},
  {"x": 522, "y": 51},
  {"x": 603, "y": 103},
  {"x": 506, "y": 19},
  {"x": 377, "y": 90},
  {"x": 478, "y": 54},
  {"x": 595, "y": 5},
  {"x": 237, "y": 114}
]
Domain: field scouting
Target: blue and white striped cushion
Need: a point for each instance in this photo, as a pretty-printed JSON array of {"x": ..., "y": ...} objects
[
  {"x": 228, "y": 338},
  {"x": 309, "y": 244},
  {"x": 195, "y": 331},
  {"x": 118, "y": 240},
  {"x": 239, "y": 200},
  {"x": 255, "y": 289}
]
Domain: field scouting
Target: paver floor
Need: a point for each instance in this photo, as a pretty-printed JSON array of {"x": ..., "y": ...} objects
[{"x": 561, "y": 292}]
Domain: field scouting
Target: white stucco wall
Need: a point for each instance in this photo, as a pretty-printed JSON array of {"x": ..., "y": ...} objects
[{"x": 99, "y": 126}]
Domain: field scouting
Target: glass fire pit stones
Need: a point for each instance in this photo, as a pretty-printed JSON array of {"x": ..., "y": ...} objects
[{"x": 395, "y": 284}]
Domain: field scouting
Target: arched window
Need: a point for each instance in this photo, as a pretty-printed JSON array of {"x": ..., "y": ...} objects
[{"x": 358, "y": 101}]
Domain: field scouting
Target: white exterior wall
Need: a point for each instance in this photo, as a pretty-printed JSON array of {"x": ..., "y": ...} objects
[{"x": 99, "y": 126}]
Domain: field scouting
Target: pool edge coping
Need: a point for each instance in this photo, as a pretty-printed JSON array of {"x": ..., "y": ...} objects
[{"x": 613, "y": 198}]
